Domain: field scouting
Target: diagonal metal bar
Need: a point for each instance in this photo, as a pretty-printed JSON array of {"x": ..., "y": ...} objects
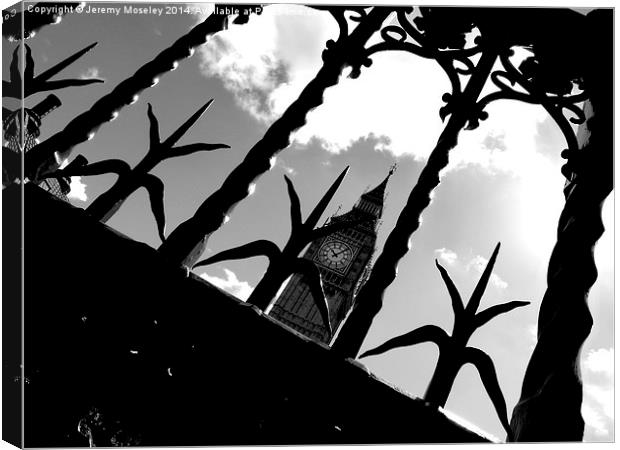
[
  {"x": 41, "y": 158},
  {"x": 370, "y": 298},
  {"x": 186, "y": 243},
  {"x": 106, "y": 205}
]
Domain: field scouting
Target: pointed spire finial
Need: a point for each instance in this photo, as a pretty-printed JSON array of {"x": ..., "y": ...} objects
[
  {"x": 378, "y": 192},
  {"x": 393, "y": 168}
]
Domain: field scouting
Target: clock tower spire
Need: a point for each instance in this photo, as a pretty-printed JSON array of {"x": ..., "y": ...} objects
[{"x": 344, "y": 260}]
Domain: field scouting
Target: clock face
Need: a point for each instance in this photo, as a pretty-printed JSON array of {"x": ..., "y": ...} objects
[{"x": 335, "y": 255}]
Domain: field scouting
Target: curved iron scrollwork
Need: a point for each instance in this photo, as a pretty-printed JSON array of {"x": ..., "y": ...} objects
[
  {"x": 554, "y": 104},
  {"x": 455, "y": 62},
  {"x": 341, "y": 49},
  {"x": 475, "y": 48},
  {"x": 456, "y": 58},
  {"x": 341, "y": 14}
]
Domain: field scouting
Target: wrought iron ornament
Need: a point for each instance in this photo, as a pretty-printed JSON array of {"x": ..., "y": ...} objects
[
  {"x": 448, "y": 35},
  {"x": 453, "y": 349}
]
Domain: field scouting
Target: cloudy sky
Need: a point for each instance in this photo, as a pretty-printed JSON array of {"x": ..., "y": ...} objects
[{"x": 503, "y": 182}]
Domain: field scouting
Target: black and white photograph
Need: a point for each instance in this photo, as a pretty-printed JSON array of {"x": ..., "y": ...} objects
[{"x": 324, "y": 223}]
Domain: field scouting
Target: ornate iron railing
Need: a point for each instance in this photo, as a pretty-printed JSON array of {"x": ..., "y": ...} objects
[{"x": 422, "y": 36}]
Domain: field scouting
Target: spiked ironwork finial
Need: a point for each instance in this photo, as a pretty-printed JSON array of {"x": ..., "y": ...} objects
[
  {"x": 33, "y": 84},
  {"x": 129, "y": 180},
  {"x": 286, "y": 262},
  {"x": 453, "y": 349}
]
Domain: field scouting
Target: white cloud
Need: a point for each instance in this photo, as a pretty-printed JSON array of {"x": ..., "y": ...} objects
[
  {"x": 447, "y": 256},
  {"x": 290, "y": 171},
  {"x": 91, "y": 72},
  {"x": 505, "y": 142},
  {"x": 478, "y": 263},
  {"x": 396, "y": 102},
  {"x": 231, "y": 284},
  {"x": 598, "y": 388},
  {"x": 603, "y": 395},
  {"x": 498, "y": 282},
  {"x": 268, "y": 72},
  {"x": 594, "y": 421},
  {"x": 600, "y": 361},
  {"x": 286, "y": 168},
  {"x": 78, "y": 189}
]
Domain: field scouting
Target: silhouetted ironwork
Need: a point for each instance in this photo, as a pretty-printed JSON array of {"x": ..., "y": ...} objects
[
  {"x": 568, "y": 65},
  {"x": 549, "y": 408},
  {"x": 453, "y": 350},
  {"x": 21, "y": 128},
  {"x": 442, "y": 34},
  {"x": 139, "y": 317},
  {"x": 12, "y": 27},
  {"x": 283, "y": 264},
  {"x": 41, "y": 158},
  {"x": 41, "y": 83},
  {"x": 129, "y": 180},
  {"x": 188, "y": 241}
]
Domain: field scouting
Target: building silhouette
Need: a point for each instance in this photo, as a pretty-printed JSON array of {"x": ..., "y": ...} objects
[{"x": 344, "y": 259}]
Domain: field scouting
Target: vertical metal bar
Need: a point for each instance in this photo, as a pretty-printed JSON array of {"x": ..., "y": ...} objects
[{"x": 549, "y": 408}]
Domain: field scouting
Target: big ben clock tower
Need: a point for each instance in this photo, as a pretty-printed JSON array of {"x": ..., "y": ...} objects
[{"x": 344, "y": 259}]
